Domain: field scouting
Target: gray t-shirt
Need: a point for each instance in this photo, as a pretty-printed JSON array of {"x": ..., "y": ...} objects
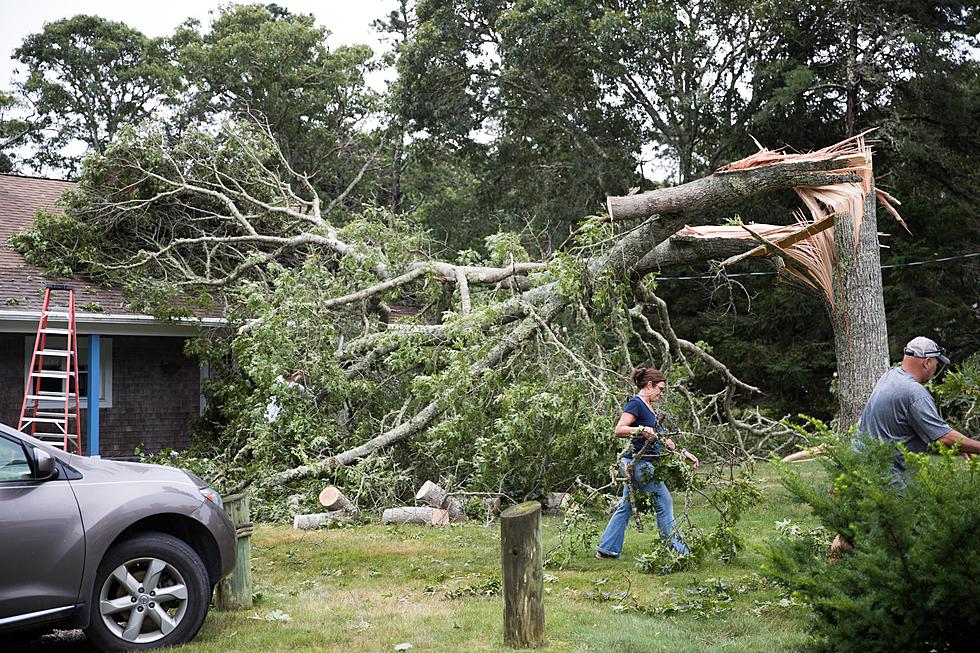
[{"x": 900, "y": 409}]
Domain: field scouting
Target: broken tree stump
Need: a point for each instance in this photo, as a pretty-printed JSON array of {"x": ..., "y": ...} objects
[
  {"x": 523, "y": 575},
  {"x": 333, "y": 499},
  {"x": 316, "y": 520},
  {"x": 415, "y": 515}
]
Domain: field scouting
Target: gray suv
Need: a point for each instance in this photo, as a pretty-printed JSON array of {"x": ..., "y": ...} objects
[{"x": 129, "y": 552}]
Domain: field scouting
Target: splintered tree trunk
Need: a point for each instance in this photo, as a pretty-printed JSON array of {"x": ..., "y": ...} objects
[
  {"x": 523, "y": 575},
  {"x": 860, "y": 332}
]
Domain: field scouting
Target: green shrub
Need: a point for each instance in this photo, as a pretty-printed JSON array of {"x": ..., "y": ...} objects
[{"x": 908, "y": 584}]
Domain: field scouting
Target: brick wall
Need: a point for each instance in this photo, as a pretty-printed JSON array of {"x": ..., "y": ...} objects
[{"x": 155, "y": 393}]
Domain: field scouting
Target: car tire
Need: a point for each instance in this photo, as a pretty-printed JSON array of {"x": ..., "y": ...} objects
[{"x": 150, "y": 591}]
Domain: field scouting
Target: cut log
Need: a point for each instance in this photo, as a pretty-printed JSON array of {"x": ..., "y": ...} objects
[
  {"x": 454, "y": 506},
  {"x": 415, "y": 515},
  {"x": 431, "y": 494},
  {"x": 557, "y": 501},
  {"x": 492, "y": 504},
  {"x": 316, "y": 520},
  {"x": 333, "y": 499},
  {"x": 440, "y": 517}
]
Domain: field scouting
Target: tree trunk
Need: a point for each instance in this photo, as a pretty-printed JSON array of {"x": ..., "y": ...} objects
[{"x": 860, "y": 332}]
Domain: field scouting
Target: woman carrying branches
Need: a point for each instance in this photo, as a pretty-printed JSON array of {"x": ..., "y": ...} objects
[{"x": 641, "y": 425}]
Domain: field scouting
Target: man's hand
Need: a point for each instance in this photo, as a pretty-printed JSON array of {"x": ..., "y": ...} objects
[
  {"x": 670, "y": 444},
  {"x": 690, "y": 458}
]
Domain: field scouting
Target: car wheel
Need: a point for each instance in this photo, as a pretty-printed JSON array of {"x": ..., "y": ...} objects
[{"x": 150, "y": 591}]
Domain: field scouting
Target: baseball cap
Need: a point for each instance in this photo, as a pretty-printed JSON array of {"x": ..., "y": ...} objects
[{"x": 922, "y": 347}]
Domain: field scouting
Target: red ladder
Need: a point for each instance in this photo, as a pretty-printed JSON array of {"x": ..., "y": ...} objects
[{"x": 45, "y": 404}]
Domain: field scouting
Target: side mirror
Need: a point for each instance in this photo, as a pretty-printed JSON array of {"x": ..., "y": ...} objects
[{"x": 43, "y": 465}]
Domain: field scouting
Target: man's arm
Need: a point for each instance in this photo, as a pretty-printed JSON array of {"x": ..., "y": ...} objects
[{"x": 966, "y": 445}]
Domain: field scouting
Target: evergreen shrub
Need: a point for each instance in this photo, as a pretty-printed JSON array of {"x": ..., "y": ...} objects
[{"x": 909, "y": 582}]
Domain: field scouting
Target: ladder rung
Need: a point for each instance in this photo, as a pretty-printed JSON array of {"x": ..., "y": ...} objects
[
  {"x": 54, "y": 352},
  {"x": 52, "y": 397},
  {"x": 42, "y": 413},
  {"x": 60, "y": 332},
  {"x": 45, "y": 420},
  {"x": 49, "y": 374}
]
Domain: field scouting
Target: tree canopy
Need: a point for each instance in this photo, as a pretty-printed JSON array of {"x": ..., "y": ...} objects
[{"x": 271, "y": 175}]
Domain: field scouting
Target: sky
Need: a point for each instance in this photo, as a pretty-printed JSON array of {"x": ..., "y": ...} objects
[{"x": 349, "y": 21}]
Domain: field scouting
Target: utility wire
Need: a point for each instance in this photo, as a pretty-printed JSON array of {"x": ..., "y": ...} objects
[{"x": 769, "y": 274}]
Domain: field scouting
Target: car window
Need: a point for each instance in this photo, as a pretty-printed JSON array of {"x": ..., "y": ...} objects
[{"x": 13, "y": 461}]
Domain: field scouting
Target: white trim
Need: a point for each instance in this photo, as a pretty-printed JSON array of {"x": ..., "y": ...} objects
[
  {"x": 105, "y": 372},
  {"x": 109, "y": 324}
]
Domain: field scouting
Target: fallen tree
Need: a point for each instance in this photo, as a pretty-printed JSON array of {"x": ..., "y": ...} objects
[{"x": 503, "y": 360}]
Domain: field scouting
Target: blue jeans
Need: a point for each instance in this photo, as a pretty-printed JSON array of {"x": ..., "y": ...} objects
[{"x": 611, "y": 542}]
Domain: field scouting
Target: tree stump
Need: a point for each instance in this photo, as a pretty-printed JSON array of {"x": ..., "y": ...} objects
[
  {"x": 431, "y": 494},
  {"x": 316, "y": 520},
  {"x": 523, "y": 575},
  {"x": 235, "y": 591},
  {"x": 415, "y": 515},
  {"x": 333, "y": 499}
]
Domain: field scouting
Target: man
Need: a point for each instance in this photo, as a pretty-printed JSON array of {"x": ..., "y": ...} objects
[{"x": 901, "y": 410}]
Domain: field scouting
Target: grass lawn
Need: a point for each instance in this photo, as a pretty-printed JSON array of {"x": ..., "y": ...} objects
[{"x": 370, "y": 588}]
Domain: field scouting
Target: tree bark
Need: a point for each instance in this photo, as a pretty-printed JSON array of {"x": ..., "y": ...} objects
[{"x": 860, "y": 332}]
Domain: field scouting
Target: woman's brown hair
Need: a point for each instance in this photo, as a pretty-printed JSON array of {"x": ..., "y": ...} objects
[{"x": 643, "y": 375}]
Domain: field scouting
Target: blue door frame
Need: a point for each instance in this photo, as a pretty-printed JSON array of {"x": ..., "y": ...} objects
[{"x": 94, "y": 393}]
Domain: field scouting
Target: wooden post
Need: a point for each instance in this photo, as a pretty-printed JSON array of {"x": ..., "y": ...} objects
[
  {"x": 235, "y": 591},
  {"x": 523, "y": 575}
]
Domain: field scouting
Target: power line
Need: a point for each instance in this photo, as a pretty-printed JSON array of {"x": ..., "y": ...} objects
[{"x": 890, "y": 266}]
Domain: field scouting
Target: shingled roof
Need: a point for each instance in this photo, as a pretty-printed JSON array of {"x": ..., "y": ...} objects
[{"x": 22, "y": 284}]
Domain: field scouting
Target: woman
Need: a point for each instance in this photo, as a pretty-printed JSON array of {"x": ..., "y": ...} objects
[{"x": 640, "y": 424}]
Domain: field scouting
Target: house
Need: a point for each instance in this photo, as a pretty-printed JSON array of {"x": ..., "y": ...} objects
[{"x": 149, "y": 391}]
